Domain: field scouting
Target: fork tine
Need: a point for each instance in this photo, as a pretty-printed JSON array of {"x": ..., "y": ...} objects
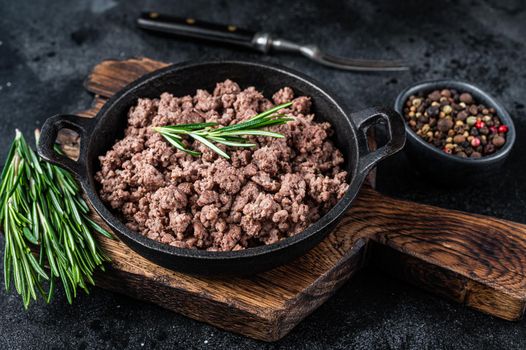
[
  {"x": 359, "y": 64},
  {"x": 314, "y": 53},
  {"x": 355, "y": 63}
]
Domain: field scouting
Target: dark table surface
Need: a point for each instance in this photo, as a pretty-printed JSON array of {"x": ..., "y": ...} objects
[{"x": 48, "y": 47}]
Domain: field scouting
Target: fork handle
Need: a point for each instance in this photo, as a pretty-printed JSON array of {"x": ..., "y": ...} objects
[{"x": 192, "y": 28}]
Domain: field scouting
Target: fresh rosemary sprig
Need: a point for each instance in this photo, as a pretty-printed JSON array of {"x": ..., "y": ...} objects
[
  {"x": 41, "y": 209},
  {"x": 231, "y": 135}
]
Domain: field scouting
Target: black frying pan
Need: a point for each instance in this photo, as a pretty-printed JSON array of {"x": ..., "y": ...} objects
[{"x": 99, "y": 134}]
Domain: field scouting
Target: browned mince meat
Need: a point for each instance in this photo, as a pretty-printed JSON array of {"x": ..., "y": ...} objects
[{"x": 259, "y": 196}]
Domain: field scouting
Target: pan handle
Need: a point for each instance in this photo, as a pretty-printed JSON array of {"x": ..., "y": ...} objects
[
  {"x": 48, "y": 136},
  {"x": 396, "y": 135}
]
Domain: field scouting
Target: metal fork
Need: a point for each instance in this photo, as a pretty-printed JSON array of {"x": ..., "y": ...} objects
[
  {"x": 265, "y": 43},
  {"x": 262, "y": 42}
]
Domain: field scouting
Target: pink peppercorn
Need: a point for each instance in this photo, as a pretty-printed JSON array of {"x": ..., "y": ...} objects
[
  {"x": 480, "y": 124},
  {"x": 475, "y": 142}
]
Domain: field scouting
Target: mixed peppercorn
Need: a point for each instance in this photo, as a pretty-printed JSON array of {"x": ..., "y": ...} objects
[{"x": 454, "y": 122}]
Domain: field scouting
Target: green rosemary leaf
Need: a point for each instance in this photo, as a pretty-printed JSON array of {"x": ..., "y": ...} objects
[
  {"x": 17, "y": 276},
  {"x": 7, "y": 263},
  {"x": 40, "y": 289},
  {"x": 37, "y": 267},
  {"x": 50, "y": 257},
  {"x": 68, "y": 180},
  {"x": 210, "y": 145},
  {"x": 70, "y": 259},
  {"x": 187, "y": 127},
  {"x": 29, "y": 235},
  {"x": 89, "y": 240},
  {"x": 34, "y": 222},
  {"x": 29, "y": 278},
  {"x": 76, "y": 215},
  {"x": 15, "y": 183},
  {"x": 170, "y": 132},
  {"x": 233, "y": 138},
  {"x": 6, "y": 169},
  {"x": 256, "y": 119},
  {"x": 273, "y": 110},
  {"x": 249, "y": 124},
  {"x": 237, "y": 144},
  {"x": 232, "y": 143},
  {"x": 34, "y": 159},
  {"x": 51, "y": 290},
  {"x": 56, "y": 203},
  {"x": 76, "y": 274},
  {"x": 272, "y": 122},
  {"x": 82, "y": 204},
  {"x": 99, "y": 229},
  {"x": 66, "y": 284},
  {"x": 69, "y": 243},
  {"x": 255, "y": 133},
  {"x": 179, "y": 145}
]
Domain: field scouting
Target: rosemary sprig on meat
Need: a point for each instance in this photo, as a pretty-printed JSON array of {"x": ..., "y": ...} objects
[
  {"x": 232, "y": 135},
  {"x": 41, "y": 210}
]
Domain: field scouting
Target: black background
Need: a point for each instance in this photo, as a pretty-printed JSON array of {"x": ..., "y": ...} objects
[{"x": 48, "y": 47}]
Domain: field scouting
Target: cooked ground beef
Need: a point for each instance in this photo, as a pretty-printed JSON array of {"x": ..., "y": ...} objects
[{"x": 259, "y": 196}]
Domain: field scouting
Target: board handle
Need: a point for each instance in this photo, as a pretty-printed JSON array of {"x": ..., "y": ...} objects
[{"x": 473, "y": 259}]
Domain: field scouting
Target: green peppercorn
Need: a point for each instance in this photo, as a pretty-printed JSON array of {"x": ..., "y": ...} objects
[
  {"x": 471, "y": 120},
  {"x": 447, "y": 109}
]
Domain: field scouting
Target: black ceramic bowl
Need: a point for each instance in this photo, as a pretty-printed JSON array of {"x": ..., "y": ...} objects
[
  {"x": 445, "y": 168},
  {"x": 99, "y": 134}
]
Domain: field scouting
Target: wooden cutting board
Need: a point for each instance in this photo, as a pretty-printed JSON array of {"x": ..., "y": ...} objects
[{"x": 476, "y": 260}]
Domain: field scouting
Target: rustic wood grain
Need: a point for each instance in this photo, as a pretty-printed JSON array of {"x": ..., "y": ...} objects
[
  {"x": 472, "y": 259},
  {"x": 110, "y": 76}
]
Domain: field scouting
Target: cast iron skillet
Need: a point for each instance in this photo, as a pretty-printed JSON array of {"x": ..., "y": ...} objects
[{"x": 99, "y": 134}]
